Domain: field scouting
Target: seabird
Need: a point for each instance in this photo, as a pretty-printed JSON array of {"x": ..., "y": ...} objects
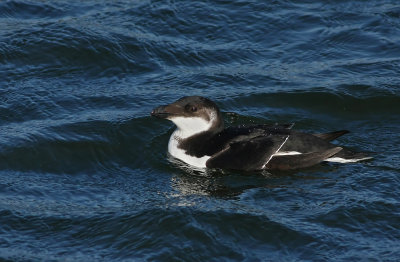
[{"x": 201, "y": 140}]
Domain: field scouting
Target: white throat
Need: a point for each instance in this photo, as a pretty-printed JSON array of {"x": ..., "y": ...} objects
[{"x": 189, "y": 126}]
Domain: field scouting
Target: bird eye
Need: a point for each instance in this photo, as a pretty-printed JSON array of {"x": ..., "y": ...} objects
[{"x": 190, "y": 108}]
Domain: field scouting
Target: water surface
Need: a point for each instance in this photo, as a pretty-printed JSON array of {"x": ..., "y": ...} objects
[{"x": 84, "y": 173}]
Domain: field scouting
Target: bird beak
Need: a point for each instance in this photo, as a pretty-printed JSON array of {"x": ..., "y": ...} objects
[
  {"x": 159, "y": 112},
  {"x": 165, "y": 111}
]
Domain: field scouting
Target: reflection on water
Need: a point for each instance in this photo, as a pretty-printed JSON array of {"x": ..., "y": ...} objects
[{"x": 189, "y": 180}]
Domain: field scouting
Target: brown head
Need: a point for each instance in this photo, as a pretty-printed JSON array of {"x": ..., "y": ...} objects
[{"x": 192, "y": 115}]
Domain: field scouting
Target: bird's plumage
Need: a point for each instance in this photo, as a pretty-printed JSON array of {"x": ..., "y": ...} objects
[{"x": 201, "y": 140}]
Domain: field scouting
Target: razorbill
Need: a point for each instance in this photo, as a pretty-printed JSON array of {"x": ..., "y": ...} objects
[{"x": 202, "y": 141}]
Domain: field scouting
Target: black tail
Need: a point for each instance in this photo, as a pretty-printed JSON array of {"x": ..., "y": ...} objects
[{"x": 332, "y": 135}]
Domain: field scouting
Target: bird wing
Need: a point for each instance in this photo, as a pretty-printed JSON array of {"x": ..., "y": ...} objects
[
  {"x": 248, "y": 152},
  {"x": 288, "y": 162}
]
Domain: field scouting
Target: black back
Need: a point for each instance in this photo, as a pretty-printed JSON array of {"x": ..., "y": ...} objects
[{"x": 209, "y": 143}]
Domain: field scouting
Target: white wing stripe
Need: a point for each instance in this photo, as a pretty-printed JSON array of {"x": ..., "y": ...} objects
[{"x": 272, "y": 155}]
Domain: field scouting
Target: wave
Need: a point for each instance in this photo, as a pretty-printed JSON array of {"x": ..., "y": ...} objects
[
  {"x": 349, "y": 100},
  {"x": 201, "y": 234},
  {"x": 78, "y": 147}
]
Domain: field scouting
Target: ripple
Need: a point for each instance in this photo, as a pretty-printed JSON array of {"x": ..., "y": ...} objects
[
  {"x": 26, "y": 10},
  {"x": 328, "y": 103},
  {"x": 84, "y": 170},
  {"x": 147, "y": 230}
]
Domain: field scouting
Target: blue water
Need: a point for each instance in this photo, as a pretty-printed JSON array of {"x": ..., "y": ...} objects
[{"x": 84, "y": 171}]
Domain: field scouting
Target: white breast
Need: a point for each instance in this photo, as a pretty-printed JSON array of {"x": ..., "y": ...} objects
[
  {"x": 189, "y": 126},
  {"x": 181, "y": 155}
]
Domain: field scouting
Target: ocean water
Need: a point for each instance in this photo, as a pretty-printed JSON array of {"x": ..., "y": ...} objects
[{"x": 84, "y": 170}]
